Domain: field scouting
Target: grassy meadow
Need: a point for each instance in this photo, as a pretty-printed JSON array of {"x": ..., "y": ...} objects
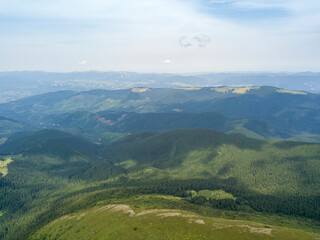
[
  {"x": 148, "y": 217},
  {"x": 198, "y": 171},
  {"x": 4, "y": 165}
]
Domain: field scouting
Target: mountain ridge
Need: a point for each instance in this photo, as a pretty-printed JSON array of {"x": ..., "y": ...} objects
[{"x": 294, "y": 114}]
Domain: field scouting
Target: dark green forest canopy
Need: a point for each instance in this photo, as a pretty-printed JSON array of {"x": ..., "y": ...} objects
[
  {"x": 160, "y": 141},
  {"x": 259, "y": 112}
]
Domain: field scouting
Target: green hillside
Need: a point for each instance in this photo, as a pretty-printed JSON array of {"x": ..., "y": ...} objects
[
  {"x": 47, "y": 141},
  {"x": 9, "y": 126},
  {"x": 4, "y": 162},
  {"x": 57, "y": 153},
  {"x": 155, "y": 100},
  {"x": 53, "y": 173},
  {"x": 44, "y": 165},
  {"x": 292, "y": 112},
  {"x": 122, "y": 122},
  {"x": 130, "y": 213},
  {"x": 262, "y": 166},
  {"x": 120, "y": 221}
]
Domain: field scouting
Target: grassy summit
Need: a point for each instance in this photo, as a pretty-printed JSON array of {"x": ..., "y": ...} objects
[
  {"x": 53, "y": 173},
  {"x": 141, "y": 221}
]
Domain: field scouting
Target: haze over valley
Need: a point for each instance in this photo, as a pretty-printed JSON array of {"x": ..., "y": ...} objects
[{"x": 160, "y": 120}]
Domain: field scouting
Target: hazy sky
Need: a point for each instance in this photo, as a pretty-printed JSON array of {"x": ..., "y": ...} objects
[{"x": 160, "y": 35}]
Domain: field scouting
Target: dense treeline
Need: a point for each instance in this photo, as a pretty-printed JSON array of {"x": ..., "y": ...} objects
[
  {"x": 21, "y": 201},
  {"x": 302, "y": 206},
  {"x": 308, "y": 207},
  {"x": 295, "y": 206},
  {"x": 51, "y": 178},
  {"x": 32, "y": 183},
  {"x": 298, "y": 113}
]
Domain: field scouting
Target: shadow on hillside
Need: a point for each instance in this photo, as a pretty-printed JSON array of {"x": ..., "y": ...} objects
[{"x": 169, "y": 149}]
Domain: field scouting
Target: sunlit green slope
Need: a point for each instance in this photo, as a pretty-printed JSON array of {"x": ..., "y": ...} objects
[
  {"x": 121, "y": 221},
  {"x": 260, "y": 166},
  {"x": 50, "y": 166}
]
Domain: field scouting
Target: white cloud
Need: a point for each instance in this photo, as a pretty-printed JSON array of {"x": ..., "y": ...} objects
[
  {"x": 83, "y": 62},
  {"x": 134, "y": 35},
  {"x": 168, "y": 61},
  {"x": 184, "y": 42},
  {"x": 202, "y": 40}
]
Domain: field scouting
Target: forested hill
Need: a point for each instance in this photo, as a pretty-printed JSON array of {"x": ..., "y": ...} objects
[
  {"x": 263, "y": 166},
  {"x": 9, "y": 126},
  {"x": 51, "y": 166},
  {"x": 159, "y": 141},
  {"x": 123, "y": 122},
  {"x": 291, "y": 114},
  {"x": 20, "y": 84}
]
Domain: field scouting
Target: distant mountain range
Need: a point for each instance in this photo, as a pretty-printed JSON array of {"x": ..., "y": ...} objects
[
  {"x": 259, "y": 112},
  {"x": 15, "y": 85},
  {"x": 72, "y": 152},
  {"x": 134, "y": 122}
]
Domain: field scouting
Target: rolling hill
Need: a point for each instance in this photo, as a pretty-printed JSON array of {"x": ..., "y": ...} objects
[
  {"x": 262, "y": 166},
  {"x": 124, "y": 122},
  {"x": 118, "y": 147},
  {"x": 293, "y": 114},
  {"x": 120, "y": 221},
  {"x": 269, "y": 167},
  {"x": 52, "y": 169},
  {"x": 58, "y": 153},
  {"x": 47, "y": 141},
  {"x": 9, "y": 126},
  {"x": 25, "y": 83},
  {"x": 151, "y": 100}
]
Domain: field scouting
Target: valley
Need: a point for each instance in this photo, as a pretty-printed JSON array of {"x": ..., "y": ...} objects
[
  {"x": 207, "y": 162},
  {"x": 160, "y": 120}
]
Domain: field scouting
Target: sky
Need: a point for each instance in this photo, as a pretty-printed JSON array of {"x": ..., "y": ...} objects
[{"x": 178, "y": 36}]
